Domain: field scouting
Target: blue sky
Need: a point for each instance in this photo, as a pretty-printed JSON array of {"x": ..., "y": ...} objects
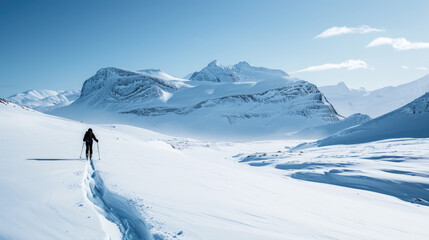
[{"x": 59, "y": 44}]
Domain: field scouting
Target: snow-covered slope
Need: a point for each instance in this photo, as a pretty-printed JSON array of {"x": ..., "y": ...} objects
[
  {"x": 157, "y": 187},
  {"x": 41, "y": 178},
  {"x": 374, "y": 103},
  {"x": 329, "y": 129},
  {"x": 157, "y": 73},
  {"x": 6, "y": 104},
  {"x": 45, "y": 100},
  {"x": 275, "y": 106},
  {"x": 411, "y": 120}
]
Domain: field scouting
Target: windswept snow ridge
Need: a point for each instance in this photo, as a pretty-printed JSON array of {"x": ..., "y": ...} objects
[
  {"x": 408, "y": 121},
  {"x": 114, "y": 207}
]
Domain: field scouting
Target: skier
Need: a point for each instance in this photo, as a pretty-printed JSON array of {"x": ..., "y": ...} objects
[{"x": 89, "y": 135}]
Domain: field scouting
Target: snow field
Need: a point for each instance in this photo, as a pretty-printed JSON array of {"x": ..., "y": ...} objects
[
  {"x": 189, "y": 189},
  {"x": 199, "y": 189}
]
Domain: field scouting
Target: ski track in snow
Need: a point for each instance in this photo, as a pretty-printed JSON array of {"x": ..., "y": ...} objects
[{"x": 114, "y": 208}]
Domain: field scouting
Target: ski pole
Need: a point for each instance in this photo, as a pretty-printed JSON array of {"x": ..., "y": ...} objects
[
  {"x": 80, "y": 156},
  {"x": 98, "y": 148}
]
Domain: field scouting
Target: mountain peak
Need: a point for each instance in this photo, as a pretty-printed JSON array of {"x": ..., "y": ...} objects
[
  {"x": 358, "y": 116},
  {"x": 242, "y": 71},
  {"x": 214, "y": 72},
  {"x": 115, "y": 70},
  {"x": 105, "y": 69},
  {"x": 343, "y": 85},
  {"x": 247, "y": 72},
  {"x": 243, "y": 63},
  {"x": 214, "y": 63}
]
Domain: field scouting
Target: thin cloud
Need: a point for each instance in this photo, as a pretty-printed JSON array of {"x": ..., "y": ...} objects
[
  {"x": 349, "y": 65},
  {"x": 334, "y": 31},
  {"x": 414, "y": 68},
  {"x": 399, "y": 44}
]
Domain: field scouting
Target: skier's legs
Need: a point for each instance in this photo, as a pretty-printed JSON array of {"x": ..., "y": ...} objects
[{"x": 88, "y": 150}]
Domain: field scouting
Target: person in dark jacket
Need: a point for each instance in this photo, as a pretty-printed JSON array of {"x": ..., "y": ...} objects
[{"x": 89, "y": 136}]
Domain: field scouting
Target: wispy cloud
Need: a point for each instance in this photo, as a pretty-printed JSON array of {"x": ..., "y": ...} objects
[
  {"x": 414, "y": 68},
  {"x": 399, "y": 44},
  {"x": 334, "y": 31},
  {"x": 349, "y": 65}
]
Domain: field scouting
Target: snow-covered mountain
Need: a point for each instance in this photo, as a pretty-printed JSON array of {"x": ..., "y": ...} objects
[
  {"x": 240, "y": 72},
  {"x": 45, "y": 100},
  {"x": 374, "y": 103},
  {"x": 248, "y": 73},
  {"x": 331, "y": 128},
  {"x": 118, "y": 89},
  {"x": 225, "y": 101},
  {"x": 215, "y": 72},
  {"x": 411, "y": 120}
]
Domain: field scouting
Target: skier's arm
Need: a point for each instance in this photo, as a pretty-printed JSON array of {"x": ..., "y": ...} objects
[
  {"x": 84, "y": 137},
  {"x": 93, "y": 136}
]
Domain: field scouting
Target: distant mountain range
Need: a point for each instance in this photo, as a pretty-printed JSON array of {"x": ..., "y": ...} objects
[
  {"x": 229, "y": 101},
  {"x": 374, "y": 103},
  {"x": 45, "y": 100},
  {"x": 241, "y": 100}
]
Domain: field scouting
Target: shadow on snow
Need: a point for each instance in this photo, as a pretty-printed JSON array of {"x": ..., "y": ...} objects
[
  {"x": 413, "y": 192},
  {"x": 56, "y": 159}
]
